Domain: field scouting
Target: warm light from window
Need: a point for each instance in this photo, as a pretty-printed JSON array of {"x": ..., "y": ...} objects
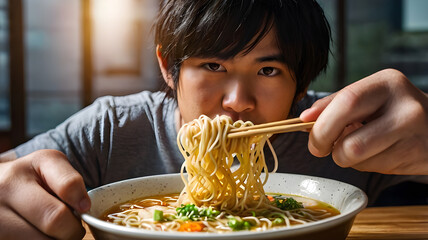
[{"x": 115, "y": 29}]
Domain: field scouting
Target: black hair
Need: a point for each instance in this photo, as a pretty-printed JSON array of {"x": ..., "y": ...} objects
[{"x": 224, "y": 28}]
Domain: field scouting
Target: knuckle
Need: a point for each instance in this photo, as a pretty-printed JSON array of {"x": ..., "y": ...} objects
[
  {"x": 353, "y": 148},
  {"x": 69, "y": 181},
  {"x": 394, "y": 73},
  {"x": 49, "y": 152},
  {"x": 417, "y": 113},
  {"x": 395, "y": 76},
  {"x": 397, "y": 79},
  {"x": 46, "y": 155},
  {"x": 349, "y": 97},
  {"x": 349, "y": 152}
]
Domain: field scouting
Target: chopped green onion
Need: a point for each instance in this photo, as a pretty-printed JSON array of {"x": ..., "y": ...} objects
[
  {"x": 158, "y": 215},
  {"x": 238, "y": 225},
  {"x": 278, "y": 221},
  {"x": 215, "y": 212},
  {"x": 193, "y": 213},
  {"x": 247, "y": 225}
]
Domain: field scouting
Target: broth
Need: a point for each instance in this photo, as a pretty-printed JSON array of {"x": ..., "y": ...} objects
[{"x": 162, "y": 213}]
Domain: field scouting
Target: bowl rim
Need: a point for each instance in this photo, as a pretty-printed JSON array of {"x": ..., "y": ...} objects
[{"x": 94, "y": 222}]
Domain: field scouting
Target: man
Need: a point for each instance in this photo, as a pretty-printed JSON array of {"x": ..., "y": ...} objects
[{"x": 250, "y": 60}]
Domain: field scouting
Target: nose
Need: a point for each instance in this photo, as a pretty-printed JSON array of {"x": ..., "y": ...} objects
[{"x": 239, "y": 97}]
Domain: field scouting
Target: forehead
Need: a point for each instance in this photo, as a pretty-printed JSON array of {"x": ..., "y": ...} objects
[
  {"x": 265, "y": 50},
  {"x": 268, "y": 45}
]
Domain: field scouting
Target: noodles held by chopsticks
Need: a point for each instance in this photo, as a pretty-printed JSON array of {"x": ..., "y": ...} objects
[{"x": 209, "y": 156}]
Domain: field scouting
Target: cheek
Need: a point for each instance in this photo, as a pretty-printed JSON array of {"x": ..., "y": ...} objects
[
  {"x": 197, "y": 94},
  {"x": 204, "y": 86},
  {"x": 194, "y": 82},
  {"x": 276, "y": 100}
]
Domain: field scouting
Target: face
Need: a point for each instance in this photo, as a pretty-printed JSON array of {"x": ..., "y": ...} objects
[{"x": 255, "y": 87}]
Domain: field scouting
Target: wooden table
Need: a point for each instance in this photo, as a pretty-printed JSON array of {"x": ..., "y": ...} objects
[
  {"x": 409, "y": 222},
  {"x": 391, "y": 223}
]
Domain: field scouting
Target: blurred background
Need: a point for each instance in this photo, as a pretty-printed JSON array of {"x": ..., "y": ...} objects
[{"x": 56, "y": 57}]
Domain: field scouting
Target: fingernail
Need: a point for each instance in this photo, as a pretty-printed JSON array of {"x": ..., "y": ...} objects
[{"x": 85, "y": 204}]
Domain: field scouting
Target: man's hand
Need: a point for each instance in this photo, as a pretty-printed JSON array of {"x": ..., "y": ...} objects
[
  {"x": 38, "y": 193},
  {"x": 378, "y": 124}
]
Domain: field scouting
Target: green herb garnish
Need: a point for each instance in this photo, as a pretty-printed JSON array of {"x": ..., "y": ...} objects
[{"x": 287, "y": 203}]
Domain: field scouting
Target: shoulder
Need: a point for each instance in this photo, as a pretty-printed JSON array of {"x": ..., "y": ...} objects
[
  {"x": 117, "y": 114},
  {"x": 130, "y": 106},
  {"x": 137, "y": 100}
]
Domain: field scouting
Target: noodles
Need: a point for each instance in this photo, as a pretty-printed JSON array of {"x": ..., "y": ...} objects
[
  {"x": 209, "y": 156},
  {"x": 223, "y": 189}
]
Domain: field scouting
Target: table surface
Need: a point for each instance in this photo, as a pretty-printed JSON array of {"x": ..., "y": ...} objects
[{"x": 403, "y": 222}]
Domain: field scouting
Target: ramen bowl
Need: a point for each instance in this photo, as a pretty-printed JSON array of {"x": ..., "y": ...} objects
[{"x": 349, "y": 200}]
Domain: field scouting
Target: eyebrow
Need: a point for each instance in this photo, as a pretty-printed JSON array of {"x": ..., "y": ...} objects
[{"x": 272, "y": 58}]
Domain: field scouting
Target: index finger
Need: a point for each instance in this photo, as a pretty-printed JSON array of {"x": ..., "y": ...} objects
[
  {"x": 312, "y": 113},
  {"x": 62, "y": 179}
]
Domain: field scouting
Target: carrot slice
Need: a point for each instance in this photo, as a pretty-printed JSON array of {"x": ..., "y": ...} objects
[{"x": 191, "y": 227}]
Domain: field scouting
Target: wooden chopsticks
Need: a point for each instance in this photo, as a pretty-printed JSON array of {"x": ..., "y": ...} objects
[{"x": 289, "y": 125}]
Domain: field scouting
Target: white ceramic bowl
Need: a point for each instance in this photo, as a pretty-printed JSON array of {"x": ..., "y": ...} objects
[{"x": 348, "y": 199}]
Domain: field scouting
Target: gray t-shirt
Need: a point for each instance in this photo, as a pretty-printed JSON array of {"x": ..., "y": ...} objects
[{"x": 117, "y": 138}]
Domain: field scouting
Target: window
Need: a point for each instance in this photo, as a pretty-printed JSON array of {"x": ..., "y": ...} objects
[
  {"x": 381, "y": 35},
  {"x": 52, "y": 62},
  {"x": 121, "y": 62},
  {"x": 4, "y": 68},
  {"x": 327, "y": 82},
  {"x": 377, "y": 35},
  {"x": 124, "y": 52}
]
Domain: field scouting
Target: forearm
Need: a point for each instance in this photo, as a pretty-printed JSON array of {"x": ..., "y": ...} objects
[{"x": 8, "y": 156}]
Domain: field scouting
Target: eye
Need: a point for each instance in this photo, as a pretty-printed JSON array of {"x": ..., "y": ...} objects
[
  {"x": 215, "y": 67},
  {"x": 269, "y": 71}
]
